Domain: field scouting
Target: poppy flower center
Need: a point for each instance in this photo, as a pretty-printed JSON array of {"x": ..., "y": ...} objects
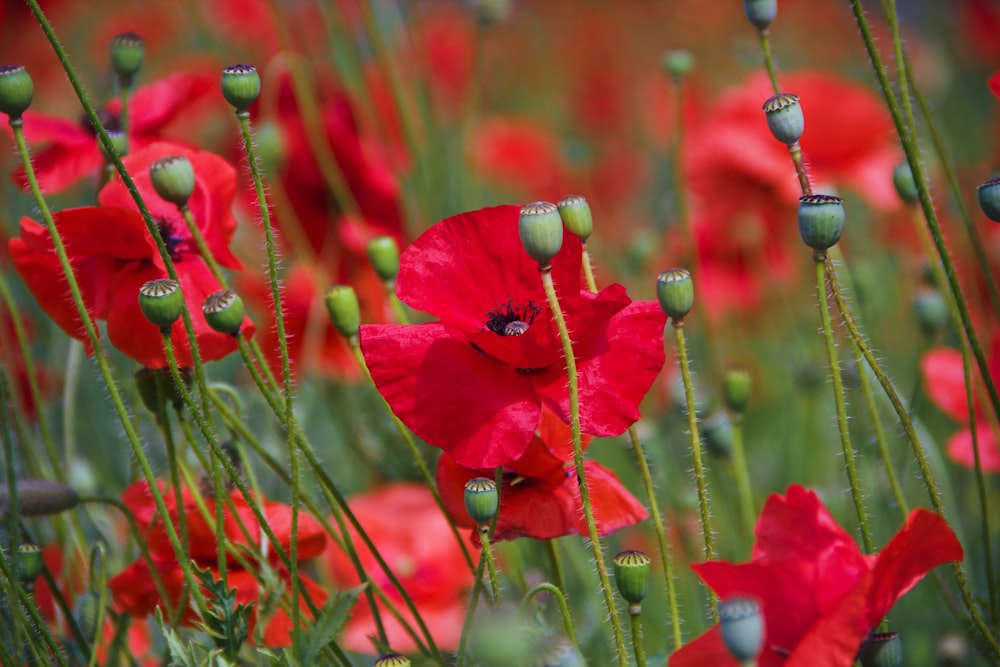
[
  {"x": 176, "y": 245},
  {"x": 511, "y": 320},
  {"x": 110, "y": 121}
]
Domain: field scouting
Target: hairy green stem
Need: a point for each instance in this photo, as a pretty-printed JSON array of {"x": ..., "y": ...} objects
[
  {"x": 635, "y": 619},
  {"x": 748, "y": 508},
  {"x": 557, "y": 593},
  {"x": 765, "y": 47},
  {"x": 491, "y": 567}
]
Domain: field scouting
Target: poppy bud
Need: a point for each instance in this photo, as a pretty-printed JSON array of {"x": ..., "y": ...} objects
[
  {"x": 575, "y": 213},
  {"x": 161, "y": 301},
  {"x": 38, "y": 497},
  {"x": 383, "y": 253},
  {"x": 742, "y": 627},
  {"x": 127, "y": 53},
  {"x": 541, "y": 231},
  {"x": 146, "y": 380},
  {"x": 902, "y": 179},
  {"x": 556, "y": 651},
  {"x": 632, "y": 577},
  {"x": 481, "y": 500},
  {"x": 87, "y": 612},
  {"x": 821, "y": 221},
  {"x": 761, "y": 13},
  {"x": 224, "y": 311},
  {"x": 393, "y": 660},
  {"x": 717, "y": 434},
  {"x": 784, "y": 117},
  {"x": 675, "y": 291},
  {"x": 270, "y": 146},
  {"x": 240, "y": 86},
  {"x": 677, "y": 62},
  {"x": 16, "y": 90},
  {"x": 342, "y": 305},
  {"x": 989, "y": 198},
  {"x": 736, "y": 389},
  {"x": 119, "y": 141},
  {"x": 931, "y": 309},
  {"x": 29, "y": 564},
  {"x": 882, "y": 649},
  {"x": 173, "y": 179}
]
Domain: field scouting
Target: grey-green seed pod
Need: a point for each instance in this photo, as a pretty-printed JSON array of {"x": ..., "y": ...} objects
[
  {"x": 240, "y": 86},
  {"x": 87, "y": 612},
  {"x": 575, "y": 213},
  {"x": 541, "y": 231},
  {"x": 393, "y": 660},
  {"x": 146, "y": 381},
  {"x": 127, "y": 53},
  {"x": 675, "y": 291},
  {"x": 345, "y": 313},
  {"x": 632, "y": 576},
  {"x": 989, "y": 198},
  {"x": 16, "y": 90},
  {"x": 784, "y": 117},
  {"x": 742, "y": 626},
  {"x": 902, "y": 180},
  {"x": 821, "y": 221},
  {"x": 224, "y": 311},
  {"x": 736, "y": 389},
  {"x": 29, "y": 564},
  {"x": 481, "y": 500},
  {"x": 677, "y": 62},
  {"x": 38, "y": 497},
  {"x": 761, "y": 13},
  {"x": 173, "y": 179},
  {"x": 383, "y": 253},
  {"x": 931, "y": 310},
  {"x": 882, "y": 649},
  {"x": 556, "y": 651},
  {"x": 161, "y": 301}
]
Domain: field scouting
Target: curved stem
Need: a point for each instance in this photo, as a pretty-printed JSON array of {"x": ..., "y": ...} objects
[{"x": 557, "y": 593}]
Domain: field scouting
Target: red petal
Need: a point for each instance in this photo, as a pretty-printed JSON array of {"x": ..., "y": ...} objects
[
  {"x": 613, "y": 506},
  {"x": 944, "y": 382},
  {"x": 994, "y": 84},
  {"x": 709, "y": 650},
  {"x": 59, "y": 166},
  {"x": 43, "y": 128},
  {"x": 278, "y": 633},
  {"x": 836, "y": 637},
  {"x": 960, "y": 449},
  {"x": 153, "y": 106}
]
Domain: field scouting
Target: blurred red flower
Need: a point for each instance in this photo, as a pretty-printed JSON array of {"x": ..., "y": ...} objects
[
  {"x": 135, "y": 593},
  {"x": 540, "y": 497},
  {"x": 819, "y": 594},
  {"x": 414, "y": 538},
  {"x": 113, "y": 254},
  {"x": 14, "y": 364},
  {"x": 520, "y": 154},
  {"x": 468, "y": 385},
  {"x": 944, "y": 380}
]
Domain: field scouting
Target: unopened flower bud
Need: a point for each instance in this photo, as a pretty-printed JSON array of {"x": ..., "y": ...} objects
[
  {"x": 902, "y": 179},
  {"x": 677, "y": 62},
  {"x": 882, "y": 649},
  {"x": 29, "y": 564},
  {"x": 717, "y": 434},
  {"x": 761, "y": 13},
  {"x": 821, "y": 221},
  {"x": 575, "y": 213},
  {"x": 127, "y": 53},
  {"x": 16, "y": 90},
  {"x": 784, "y": 117},
  {"x": 240, "y": 86},
  {"x": 38, "y": 497},
  {"x": 541, "y": 231},
  {"x": 161, "y": 301},
  {"x": 481, "y": 500},
  {"x": 989, "y": 198},
  {"x": 224, "y": 311},
  {"x": 173, "y": 179},
  {"x": 345, "y": 313},
  {"x": 675, "y": 290},
  {"x": 931, "y": 309},
  {"x": 393, "y": 660},
  {"x": 742, "y": 625},
  {"x": 383, "y": 253},
  {"x": 147, "y": 379},
  {"x": 736, "y": 389},
  {"x": 87, "y": 612},
  {"x": 632, "y": 576},
  {"x": 556, "y": 651}
]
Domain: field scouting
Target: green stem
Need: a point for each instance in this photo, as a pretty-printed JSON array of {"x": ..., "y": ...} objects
[
  {"x": 203, "y": 249},
  {"x": 588, "y": 270},
  {"x": 124, "y": 87},
  {"x": 491, "y": 566},
  {"x": 800, "y": 169},
  {"x": 765, "y": 47},
  {"x": 581, "y": 474},
  {"x": 741, "y": 470},
  {"x": 74, "y": 358},
  {"x": 637, "y": 650},
  {"x": 555, "y": 563},
  {"x": 677, "y": 169},
  {"x": 557, "y": 593}
]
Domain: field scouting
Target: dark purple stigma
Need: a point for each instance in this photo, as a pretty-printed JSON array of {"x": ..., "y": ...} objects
[
  {"x": 511, "y": 320},
  {"x": 110, "y": 121},
  {"x": 176, "y": 245}
]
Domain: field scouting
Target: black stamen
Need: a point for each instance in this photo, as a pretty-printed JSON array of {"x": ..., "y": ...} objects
[
  {"x": 511, "y": 320},
  {"x": 176, "y": 245}
]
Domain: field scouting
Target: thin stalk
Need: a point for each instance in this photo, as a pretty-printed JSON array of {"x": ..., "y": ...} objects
[
  {"x": 747, "y": 507},
  {"x": 635, "y": 619},
  {"x": 398, "y": 311},
  {"x": 124, "y": 88},
  {"x": 491, "y": 567},
  {"x": 74, "y": 358},
  {"x": 203, "y": 250},
  {"x": 557, "y": 593},
  {"x": 13, "y": 506},
  {"x": 555, "y": 563},
  {"x": 765, "y": 47},
  {"x": 677, "y": 169},
  {"x": 800, "y": 169},
  {"x": 588, "y": 269}
]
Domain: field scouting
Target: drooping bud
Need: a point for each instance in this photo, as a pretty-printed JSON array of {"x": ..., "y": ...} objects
[
  {"x": 902, "y": 179},
  {"x": 345, "y": 313},
  {"x": 29, "y": 564},
  {"x": 393, "y": 660},
  {"x": 383, "y": 253},
  {"x": 632, "y": 577},
  {"x": 173, "y": 179},
  {"x": 675, "y": 290},
  {"x": 742, "y": 625},
  {"x": 784, "y": 117},
  {"x": 761, "y": 13},
  {"x": 481, "y": 500},
  {"x": 882, "y": 649},
  {"x": 127, "y": 53},
  {"x": 575, "y": 213},
  {"x": 240, "y": 86},
  {"x": 736, "y": 389},
  {"x": 717, "y": 434},
  {"x": 38, "y": 497},
  {"x": 677, "y": 62},
  {"x": 821, "y": 221},
  {"x": 931, "y": 309},
  {"x": 161, "y": 301},
  {"x": 146, "y": 380},
  {"x": 16, "y": 90},
  {"x": 541, "y": 231},
  {"x": 224, "y": 311},
  {"x": 87, "y": 613},
  {"x": 989, "y": 198}
]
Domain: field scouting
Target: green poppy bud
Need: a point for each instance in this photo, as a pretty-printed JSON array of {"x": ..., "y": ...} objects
[
  {"x": 784, "y": 117},
  {"x": 575, "y": 213},
  {"x": 173, "y": 179},
  {"x": 481, "y": 500},
  {"x": 146, "y": 380},
  {"x": 761, "y": 13},
  {"x": 383, "y": 253},
  {"x": 882, "y": 649},
  {"x": 556, "y": 651},
  {"x": 902, "y": 179},
  {"x": 989, "y": 198},
  {"x": 127, "y": 53},
  {"x": 29, "y": 564},
  {"x": 821, "y": 221},
  {"x": 240, "y": 86},
  {"x": 742, "y": 626},
  {"x": 632, "y": 577},
  {"x": 677, "y": 62},
  {"x": 224, "y": 311},
  {"x": 717, "y": 434},
  {"x": 675, "y": 290},
  {"x": 931, "y": 309},
  {"x": 736, "y": 389},
  {"x": 16, "y": 90},
  {"x": 38, "y": 497},
  {"x": 87, "y": 612},
  {"x": 541, "y": 231},
  {"x": 119, "y": 141},
  {"x": 161, "y": 301},
  {"x": 342, "y": 305},
  {"x": 393, "y": 660}
]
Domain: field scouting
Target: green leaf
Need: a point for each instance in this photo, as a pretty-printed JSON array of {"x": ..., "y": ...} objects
[{"x": 327, "y": 625}]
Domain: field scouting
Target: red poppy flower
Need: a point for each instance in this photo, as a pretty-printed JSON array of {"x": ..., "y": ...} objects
[
  {"x": 466, "y": 384},
  {"x": 521, "y": 154},
  {"x": 416, "y": 542},
  {"x": 540, "y": 497},
  {"x": 944, "y": 381},
  {"x": 134, "y": 592},
  {"x": 113, "y": 254},
  {"x": 819, "y": 594},
  {"x": 72, "y": 150}
]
